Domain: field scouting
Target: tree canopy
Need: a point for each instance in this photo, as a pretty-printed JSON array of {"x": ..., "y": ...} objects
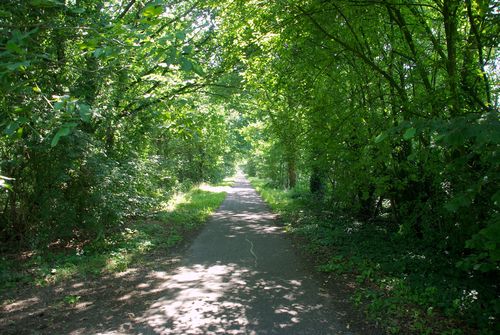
[{"x": 387, "y": 110}]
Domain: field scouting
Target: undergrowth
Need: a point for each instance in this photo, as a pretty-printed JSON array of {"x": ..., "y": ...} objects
[
  {"x": 157, "y": 231},
  {"x": 405, "y": 286}
]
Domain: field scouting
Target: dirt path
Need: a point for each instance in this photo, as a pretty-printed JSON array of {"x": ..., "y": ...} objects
[{"x": 239, "y": 276}]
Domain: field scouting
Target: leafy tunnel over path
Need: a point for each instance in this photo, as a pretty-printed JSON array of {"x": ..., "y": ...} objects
[{"x": 373, "y": 119}]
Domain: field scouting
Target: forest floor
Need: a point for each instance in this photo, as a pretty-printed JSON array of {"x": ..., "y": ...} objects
[{"x": 239, "y": 275}]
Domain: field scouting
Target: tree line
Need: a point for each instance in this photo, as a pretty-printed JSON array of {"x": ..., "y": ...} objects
[
  {"x": 106, "y": 107},
  {"x": 387, "y": 111}
]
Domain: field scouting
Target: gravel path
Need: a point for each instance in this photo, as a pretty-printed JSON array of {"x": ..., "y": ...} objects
[{"x": 239, "y": 276}]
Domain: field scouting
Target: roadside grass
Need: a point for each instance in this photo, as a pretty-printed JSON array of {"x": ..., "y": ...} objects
[
  {"x": 405, "y": 287},
  {"x": 159, "y": 231}
]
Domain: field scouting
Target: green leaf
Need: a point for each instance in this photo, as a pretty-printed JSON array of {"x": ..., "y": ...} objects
[
  {"x": 4, "y": 184},
  {"x": 495, "y": 254},
  {"x": 4, "y": 13},
  {"x": 461, "y": 200},
  {"x": 71, "y": 299},
  {"x": 152, "y": 11},
  {"x": 99, "y": 52},
  {"x": 59, "y": 105},
  {"x": 180, "y": 35},
  {"x": 78, "y": 10},
  {"x": 409, "y": 133},
  {"x": 198, "y": 69},
  {"x": 166, "y": 38},
  {"x": 14, "y": 47},
  {"x": 187, "y": 50},
  {"x": 85, "y": 112},
  {"x": 64, "y": 131},
  {"x": 61, "y": 132},
  {"x": 11, "y": 128},
  {"x": 46, "y": 3},
  {"x": 18, "y": 66},
  {"x": 492, "y": 231},
  {"x": 186, "y": 65},
  {"x": 171, "y": 55},
  {"x": 22, "y": 120},
  {"x": 380, "y": 137}
]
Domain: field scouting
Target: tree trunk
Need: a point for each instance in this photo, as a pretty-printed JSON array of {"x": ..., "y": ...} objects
[
  {"x": 292, "y": 173},
  {"x": 450, "y": 28}
]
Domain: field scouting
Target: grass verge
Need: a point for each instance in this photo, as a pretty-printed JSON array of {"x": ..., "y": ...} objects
[
  {"x": 402, "y": 285},
  {"x": 173, "y": 221}
]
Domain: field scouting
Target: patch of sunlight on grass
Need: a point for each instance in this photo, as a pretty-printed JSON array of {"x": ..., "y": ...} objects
[
  {"x": 176, "y": 200},
  {"x": 184, "y": 198},
  {"x": 278, "y": 199},
  {"x": 223, "y": 186},
  {"x": 66, "y": 271},
  {"x": 215, "y": 189},
  {"x": 118, "y": 261}
]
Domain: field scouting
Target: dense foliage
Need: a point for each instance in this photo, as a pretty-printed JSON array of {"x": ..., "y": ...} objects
[
  {"x": 386, "y": 110},
  {"x": 101, "y": 113}
]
